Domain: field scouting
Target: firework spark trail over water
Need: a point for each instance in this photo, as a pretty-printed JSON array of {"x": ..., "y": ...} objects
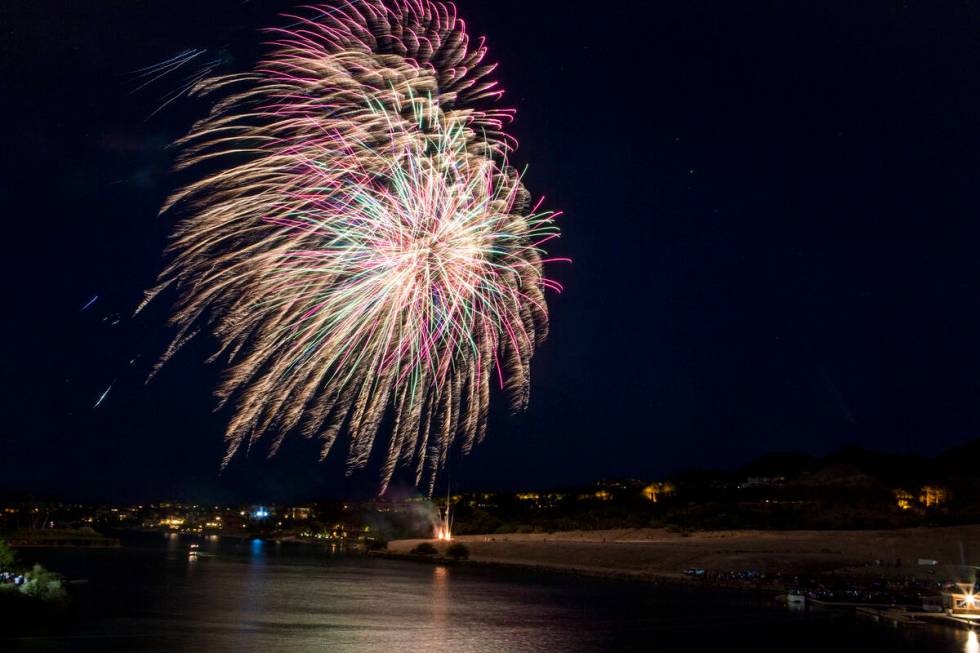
[{"x": 359, "y": 243}]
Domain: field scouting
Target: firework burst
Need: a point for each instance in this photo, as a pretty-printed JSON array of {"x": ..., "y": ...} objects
[{"x": 357, "y": 240}]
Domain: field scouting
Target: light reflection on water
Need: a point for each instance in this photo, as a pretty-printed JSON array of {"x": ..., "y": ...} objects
[
  {"x": 440, "y": 597},
  {"x": 258, "y": 551},
  {"x": 249, "y": 595}
]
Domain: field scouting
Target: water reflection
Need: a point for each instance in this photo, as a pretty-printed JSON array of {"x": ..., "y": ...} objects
[
  {"x": 258, "y": 550},
  {"x": 173, "y": 544},
  {"x": 251, "y": 595},
  {"x": 440, "y": 596}
]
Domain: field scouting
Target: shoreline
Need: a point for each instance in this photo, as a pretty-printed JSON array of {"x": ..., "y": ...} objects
[
  {"x": 899, "y": 567},
  {"x": 823, "y": 570},
  {"x": 678, "y": 580},
  {"x": 921, "y": 552}
]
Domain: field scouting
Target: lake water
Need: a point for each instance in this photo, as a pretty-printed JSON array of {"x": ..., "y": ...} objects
[{"x": 256, "y": 596}]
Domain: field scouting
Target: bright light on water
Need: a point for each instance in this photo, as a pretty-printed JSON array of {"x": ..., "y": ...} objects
[{"x": 251, "y": 595}]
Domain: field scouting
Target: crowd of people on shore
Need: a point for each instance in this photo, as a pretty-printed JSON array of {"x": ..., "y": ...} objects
[{"x": 10, "y": 578}]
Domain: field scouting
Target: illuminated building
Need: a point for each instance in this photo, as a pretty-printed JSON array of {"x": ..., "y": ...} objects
[
  {"x": 965, "y": 602},
  {"x": 903, "y": 499},
  {"x": 299, "y": 512},
  {"x": 933, "y": 495},
  {"x": 658, "y": 489},
  {"x": 929, "y": 496}
]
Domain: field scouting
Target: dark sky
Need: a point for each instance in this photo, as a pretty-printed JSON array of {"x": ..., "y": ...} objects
[{"x": 773, "y": 214}]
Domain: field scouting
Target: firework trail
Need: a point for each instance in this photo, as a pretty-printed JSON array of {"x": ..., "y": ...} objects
[
  {"x": 89, "y": 303},
  {"x": 150, "y": 74},
  {"x": 357, "y": 240},
  {"x": 104, "y": 394}
]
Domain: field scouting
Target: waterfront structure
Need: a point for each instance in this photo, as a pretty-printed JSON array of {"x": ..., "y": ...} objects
[{"x": 965, "y": 603}]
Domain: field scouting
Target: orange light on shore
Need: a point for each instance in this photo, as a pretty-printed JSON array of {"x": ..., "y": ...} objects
[{"x": 443, "y": 534}]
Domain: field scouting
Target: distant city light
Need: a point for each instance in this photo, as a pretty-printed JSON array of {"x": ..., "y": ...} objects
[{"x": 261, "y": 513}]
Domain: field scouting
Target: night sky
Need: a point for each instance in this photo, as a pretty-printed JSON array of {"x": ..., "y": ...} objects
[{"x": 773, "y": 216}]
